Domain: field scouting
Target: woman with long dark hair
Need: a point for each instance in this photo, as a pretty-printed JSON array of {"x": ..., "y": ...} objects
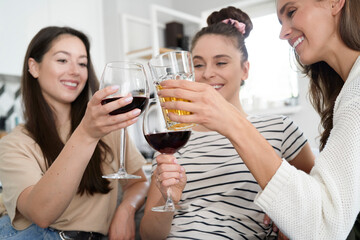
[{"x": 51, "y": 167}]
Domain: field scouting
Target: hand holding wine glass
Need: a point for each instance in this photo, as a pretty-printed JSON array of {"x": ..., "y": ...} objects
[
  {"x": 163, "y": 140},
  {"x": 130, "y": 78},
  {"x": 96, "y": 122},
  {"x": 169, "y": 173}
]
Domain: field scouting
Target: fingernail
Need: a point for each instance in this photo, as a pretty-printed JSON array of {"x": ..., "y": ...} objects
[
  {"x": 180, "y": 175},
  {"x": 128, "y": 99},
  {"x": 115, "y": 87},
  {"x": 136, "y": 111},
  {"x": 182, "y": 169},
  {"x": 175, "y": 160},
  {"x": 266, "y": 222}
]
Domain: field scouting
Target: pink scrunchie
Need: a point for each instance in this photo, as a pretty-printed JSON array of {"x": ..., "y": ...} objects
[{"x": 239, "y": 25}]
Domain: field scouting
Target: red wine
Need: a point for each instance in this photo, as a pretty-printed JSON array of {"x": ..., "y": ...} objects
[
  {"x": 168, "y": 142},
  {"x": 138, "y": 102}
]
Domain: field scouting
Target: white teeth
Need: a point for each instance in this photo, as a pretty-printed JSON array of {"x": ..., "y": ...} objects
[
  {"x": 71, "y": 84},
  {"x": 217, "y": 86},
  {"x": 297, "y": 42}
]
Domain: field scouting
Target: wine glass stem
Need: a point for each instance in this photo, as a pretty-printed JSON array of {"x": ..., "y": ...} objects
[
  {"x": 122, "y": 151},
  {"x": 169, "y": 202}
]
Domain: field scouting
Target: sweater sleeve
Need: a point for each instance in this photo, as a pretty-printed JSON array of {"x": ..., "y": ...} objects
[{"x": 324, "y": 204}]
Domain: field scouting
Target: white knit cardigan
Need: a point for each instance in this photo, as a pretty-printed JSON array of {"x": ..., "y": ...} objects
[{"x": 324, "y": 204}]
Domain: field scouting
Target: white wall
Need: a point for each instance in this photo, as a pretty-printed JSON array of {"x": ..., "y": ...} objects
[
  {"x": 139, "y": 35},
  {"x": 20, "y": 20},
  {"x": 307, "y": 118},
  {"x": 201, "y": 5}
]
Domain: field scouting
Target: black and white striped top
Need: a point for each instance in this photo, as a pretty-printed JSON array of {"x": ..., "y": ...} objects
[{"x": 220, "y": 189}]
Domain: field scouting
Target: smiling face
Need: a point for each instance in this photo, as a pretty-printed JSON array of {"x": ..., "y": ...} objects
[
  {"x": 62, "y": 72},
  {"x": 217, "y": 62},
  {"x": 310, "y": 28}
]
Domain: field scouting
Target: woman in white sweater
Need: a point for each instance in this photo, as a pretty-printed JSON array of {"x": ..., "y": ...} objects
[{"x": 324, "y": 204}]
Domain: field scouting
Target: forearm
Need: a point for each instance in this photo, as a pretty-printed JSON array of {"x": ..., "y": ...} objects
[
  {"x": 134, "y": 193},
  {"x": 155, "y": 225},
  {"x": 44, "y": 202}
]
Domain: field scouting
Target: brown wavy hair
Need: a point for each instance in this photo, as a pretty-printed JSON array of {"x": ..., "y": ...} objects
[
  {"x": 325, "y": 83},
  {"x": 39, "y": 117}
]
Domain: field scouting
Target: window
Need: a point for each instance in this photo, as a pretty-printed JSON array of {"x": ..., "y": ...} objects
[{"x": 272, "y": 81}]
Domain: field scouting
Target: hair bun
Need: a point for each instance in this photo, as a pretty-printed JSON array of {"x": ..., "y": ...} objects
[{"x": 234, "y": 13}]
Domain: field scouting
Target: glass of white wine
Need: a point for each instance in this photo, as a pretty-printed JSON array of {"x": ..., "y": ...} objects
[{"x": 176, "y": 65}]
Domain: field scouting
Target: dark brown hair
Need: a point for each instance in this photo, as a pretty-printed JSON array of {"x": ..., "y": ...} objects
[
  {"x": 39, "y": 117},
  {"x": 325, "y": 83},
  {"x": 216, "y": 26}
]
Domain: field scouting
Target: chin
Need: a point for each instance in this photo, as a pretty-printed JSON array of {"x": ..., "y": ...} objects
[{"x": 307, "y": 60}]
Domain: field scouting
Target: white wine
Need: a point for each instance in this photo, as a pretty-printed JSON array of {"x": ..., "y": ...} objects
[{"x": 171, "y": 125}]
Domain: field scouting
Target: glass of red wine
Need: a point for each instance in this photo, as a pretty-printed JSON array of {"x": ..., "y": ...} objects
[
  {"x": 131, "y": 78},
  {"x": 163, "y": 140}
]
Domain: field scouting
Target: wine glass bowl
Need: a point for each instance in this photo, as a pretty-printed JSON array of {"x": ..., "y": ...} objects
[
  {"x": 163, "y": 140},
  {"x": 131, "y": 78}
]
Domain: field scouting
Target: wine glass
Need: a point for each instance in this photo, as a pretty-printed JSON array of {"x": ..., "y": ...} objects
[
  {"x": 163, "y": 140},
  {"x": 132, "y": 79}
]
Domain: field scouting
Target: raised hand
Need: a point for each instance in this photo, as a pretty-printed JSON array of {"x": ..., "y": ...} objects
[
  {"x": 209, "y": 108},
  {"x": 97, "y": 122}
]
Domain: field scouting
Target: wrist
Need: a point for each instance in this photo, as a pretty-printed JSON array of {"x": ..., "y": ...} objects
[
  {"x": 87, "y": 138},
  {"x": 235, "y": 126},
  {"x": 125, "y": 210}
]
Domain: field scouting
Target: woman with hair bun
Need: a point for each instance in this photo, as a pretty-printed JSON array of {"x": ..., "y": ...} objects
[{"x": 218, "y": 189}]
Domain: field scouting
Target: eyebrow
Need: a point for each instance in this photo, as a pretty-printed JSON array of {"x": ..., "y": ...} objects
[
  {"x": 66, "y": 53},
  {"x": 282, "y": 10},
  {"x": 217, "y": 56},
  {"x": 222, "y": 55}
]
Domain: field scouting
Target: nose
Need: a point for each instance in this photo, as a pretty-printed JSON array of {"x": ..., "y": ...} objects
[
  {"x": 285, "y": 32},
  {"x": 74, "y": 68},
  {"x": 208, "y": 72}
]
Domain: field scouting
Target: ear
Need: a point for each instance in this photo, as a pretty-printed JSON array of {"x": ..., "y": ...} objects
[
  {"x": 33, "y": 67},
  {"x": 245, "y": 67},
  {"x": 336, "y": 6}
]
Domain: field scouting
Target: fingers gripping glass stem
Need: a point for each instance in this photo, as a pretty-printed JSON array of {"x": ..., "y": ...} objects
[{"x": 169, "y": 204}]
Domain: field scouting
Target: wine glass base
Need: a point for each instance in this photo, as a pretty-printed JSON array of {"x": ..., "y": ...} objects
[
  {"x": 121, "y": 176},
  {"x": 166, "y": 208}
]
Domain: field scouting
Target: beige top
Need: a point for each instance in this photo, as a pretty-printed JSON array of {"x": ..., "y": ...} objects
[{"x": 22, "y": 165}]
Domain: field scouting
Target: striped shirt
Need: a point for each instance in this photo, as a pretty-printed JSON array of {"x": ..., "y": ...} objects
[{"x": 220, "y": 189}]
